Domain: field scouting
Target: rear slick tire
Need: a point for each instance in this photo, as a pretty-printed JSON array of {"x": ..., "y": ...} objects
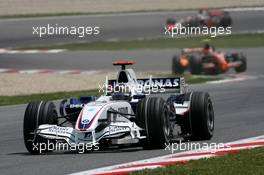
[
  {"x": 201, "y": 116},
  {"x": 176, "y": 66},
  {"x": 195, "y": 65},
  {"x": 243, "y": 66}
]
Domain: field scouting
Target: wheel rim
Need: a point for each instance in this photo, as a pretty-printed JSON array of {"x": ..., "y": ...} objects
[
  {"x": 210, "y": 116},
  {"x": 166, "y": 123}
]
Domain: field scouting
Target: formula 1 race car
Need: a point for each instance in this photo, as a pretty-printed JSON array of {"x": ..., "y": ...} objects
[
  {"x": 127, "y": 114},
  {"x": 205, "y": 17},
  {"x": 208, "y": 61}
]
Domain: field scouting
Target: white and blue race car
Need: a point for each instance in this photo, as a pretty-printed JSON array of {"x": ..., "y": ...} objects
[{"x": 145, "y": 112}]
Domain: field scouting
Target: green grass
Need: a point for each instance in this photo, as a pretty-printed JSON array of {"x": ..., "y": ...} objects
[
  {"x": 22, "y": 99},
  {"x": 202, "y": 79},
  {"x": 244, "y": 162},
  {"x": 227, "y": 41}
]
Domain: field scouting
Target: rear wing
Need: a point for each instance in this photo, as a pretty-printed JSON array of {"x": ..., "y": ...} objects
[{"x": 161, "y": 85}]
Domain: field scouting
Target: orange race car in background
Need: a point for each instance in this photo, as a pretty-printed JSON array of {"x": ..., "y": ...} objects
[
  {"x": 204, "y": 17},
  {"x": 207, "y": 61}
]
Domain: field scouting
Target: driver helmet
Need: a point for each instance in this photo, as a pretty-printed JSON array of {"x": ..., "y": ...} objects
[{"x": 121, "y": 92}]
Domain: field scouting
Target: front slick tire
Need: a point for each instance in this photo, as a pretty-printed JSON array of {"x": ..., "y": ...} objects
[
  {"x": 152, "y": 116},
  {"x": 201, "y": 116},
  {"x": 37, "y": 113}
]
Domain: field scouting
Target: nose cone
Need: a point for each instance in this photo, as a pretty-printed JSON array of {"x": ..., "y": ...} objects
[{"x": 88, "y": 117}]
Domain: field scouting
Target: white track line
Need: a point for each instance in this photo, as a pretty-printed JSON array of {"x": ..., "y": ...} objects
[
  {"x": 243, "y": 9},
  {"x": 29, "y": 51}
]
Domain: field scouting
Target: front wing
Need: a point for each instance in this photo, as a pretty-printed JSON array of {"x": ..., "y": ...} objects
[{"x": 74, "y": 136}]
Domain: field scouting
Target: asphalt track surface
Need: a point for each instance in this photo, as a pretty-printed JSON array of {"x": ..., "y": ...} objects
[
  {"x": 146, "y": 60},
  {"x": 238, "y": 114},
  {"x": 18, "y": 32}
]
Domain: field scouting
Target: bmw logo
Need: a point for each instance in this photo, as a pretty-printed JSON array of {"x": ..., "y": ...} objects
[{"x": 85, "y": 121}]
